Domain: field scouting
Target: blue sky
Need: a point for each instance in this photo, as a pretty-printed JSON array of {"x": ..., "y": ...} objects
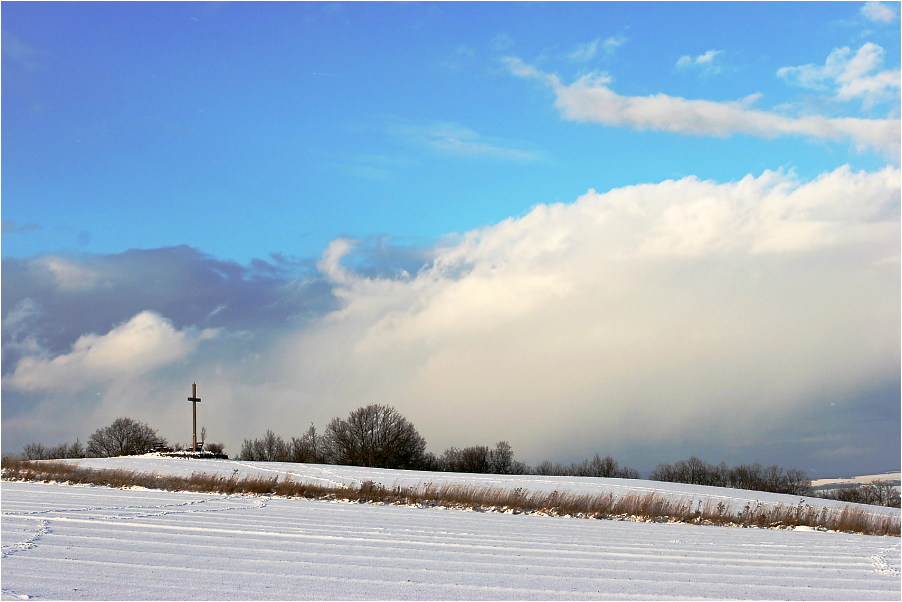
[
  {"x": 246, "y": 129},
  {"x": 262, "y": 172}
]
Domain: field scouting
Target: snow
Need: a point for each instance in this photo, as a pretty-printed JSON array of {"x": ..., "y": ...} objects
[
  {"x": 893, "y": 477},
  {"x": 95, "y": 543},
  {"x": 329, "y": 475}
]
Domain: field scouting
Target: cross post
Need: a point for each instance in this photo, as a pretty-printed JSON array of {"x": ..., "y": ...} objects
[{"x": 194, "y": 399}]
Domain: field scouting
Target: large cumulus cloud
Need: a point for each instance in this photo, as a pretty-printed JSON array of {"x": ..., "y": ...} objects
[
  {"x": 681, "y": 310},
  {"x": 751, "y": 318}
]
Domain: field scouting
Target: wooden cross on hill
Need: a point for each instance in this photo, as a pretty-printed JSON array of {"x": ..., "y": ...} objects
[{"x": 194, "y": 399}]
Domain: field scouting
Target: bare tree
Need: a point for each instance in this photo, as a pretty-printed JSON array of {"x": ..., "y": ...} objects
[
  {"x": 35, "y": 451},
  {"x": 274, "y": 448},
  {"x": 124, "y": 437},
  {"x": 475, "y": 458},
  {"x": 306, "y": 448},
  {"x": 271, "y": 448},
  {"x": 598, "y": 467},
  {"x": 797, "y": 482},
  {"x": 247, "y": 450},
  {"x": 548, "y": 468},
  {"x": 502, "y": 458},
  {"x": 743, "y": 476},
  {"x": 880, "y": 493},
  {"x": 376, "y": 436},
  {"x": 39, "y": 451}
]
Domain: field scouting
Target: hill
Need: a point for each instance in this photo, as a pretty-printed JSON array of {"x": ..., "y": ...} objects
[{"x": 66, "y": 542}]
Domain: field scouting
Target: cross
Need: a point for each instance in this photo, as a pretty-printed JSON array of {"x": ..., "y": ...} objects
[{"x": 194, "y": 399}]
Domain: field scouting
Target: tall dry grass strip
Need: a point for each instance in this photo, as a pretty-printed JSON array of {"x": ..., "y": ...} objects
[{"x": 648, "y": 507}]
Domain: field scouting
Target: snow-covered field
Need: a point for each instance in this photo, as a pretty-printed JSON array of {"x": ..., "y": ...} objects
[
  {"x": 326, "y": 474},
  {"x": 66, "y": 542},
  {"x": 892, "y": 477}
]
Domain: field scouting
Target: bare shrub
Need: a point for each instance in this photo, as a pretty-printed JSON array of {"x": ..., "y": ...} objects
[{"x": 38, "y": 451}]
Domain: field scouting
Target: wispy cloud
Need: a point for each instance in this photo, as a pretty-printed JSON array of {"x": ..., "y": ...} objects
[
  {"x": 585, "y": 52},
  {"x": 19, "y": 52},
  {"x": 371, "y": 166},
  {"x": 706, "y": 63},
  {"x": 502, "y": 41},
  {"x": 10, "y": 226},
  {"x": 849, "y": 75},
  {"x": 590, "y": 99},
  {"x": 455, "y": 139},
  {"x": 459, "y": 57},
  {"x": 879, "y": 11}
]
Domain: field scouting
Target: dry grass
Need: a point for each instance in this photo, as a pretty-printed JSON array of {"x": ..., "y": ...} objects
[{"x": 648, "y": 507}]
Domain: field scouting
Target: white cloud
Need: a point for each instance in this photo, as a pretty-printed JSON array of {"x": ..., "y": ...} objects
[
  {"x": 706, "y": 62},
  {"x": 878, "y": 11},
  {"x": 594, "y": 321},
  {"x": 583, "y": 53},
  {"x": 18, "y": 319},
  {"x": 460, "y": 56},
  {"x": 589, "y": 99},
  {"x": 22, "y": 54},
  {"x": 613, "y": 43},
  {"x": 66, "y": 275},
  {"x": 850, "y": 76},
  {"x": 18, "y": 328},
  {"x": 144, "y": 343},
  {"x": 502, "y": 41},
  {"x": 684, "y": 310},
  {"x": 455, "y": 139}
]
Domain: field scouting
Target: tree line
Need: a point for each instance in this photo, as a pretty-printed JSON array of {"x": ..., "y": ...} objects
[
  {"x": 756, "y": 477},
  {"x": 879, "y": 492},
  {"x": 378, "y": 436}
]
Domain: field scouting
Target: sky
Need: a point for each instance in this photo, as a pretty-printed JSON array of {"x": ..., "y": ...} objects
[{"x": 645, "y": 230}]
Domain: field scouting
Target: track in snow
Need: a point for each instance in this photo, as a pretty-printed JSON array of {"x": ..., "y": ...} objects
[{"x": 64, "y": 542}]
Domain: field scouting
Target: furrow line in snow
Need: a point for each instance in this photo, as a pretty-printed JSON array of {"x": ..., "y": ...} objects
[
  {"x": 99, "y": 508},
  {"x": 255, "y": 502},
  {"x": 281, "y": 548},
  {"x": 393, "y": 545},
  {"x": 637, "y": 568},
  {"x": 507, "y": 585}
]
